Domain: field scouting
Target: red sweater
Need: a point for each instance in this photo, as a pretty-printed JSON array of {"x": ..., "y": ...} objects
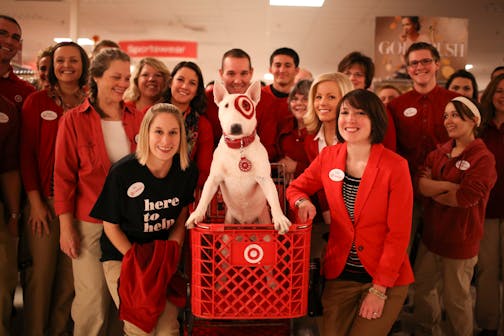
[
  {"x": 494, "y": 140},
  {"x": 266, "y": 122},
  {"x": 382, "y": 213},
  {"x": 10, "y": 123},
  {"x": 38, "y": 139},
  {"x": 455, "y": 232},
  {"x": 291, "y": 143},
  {"x": 82, "y": 163},
  {"x": 279, "y": 103},
  {"x": 146, "y": 271},
  {"x": 418, "y": 121}
]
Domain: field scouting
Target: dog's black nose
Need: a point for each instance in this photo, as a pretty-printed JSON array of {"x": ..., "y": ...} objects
[{"x": 236, "y": 129}]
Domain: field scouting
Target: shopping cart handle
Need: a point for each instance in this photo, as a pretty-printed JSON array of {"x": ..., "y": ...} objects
[{"x": 223, "y": 226}]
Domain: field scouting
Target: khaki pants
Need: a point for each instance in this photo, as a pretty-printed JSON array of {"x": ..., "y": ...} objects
[
  {"x": 167, "y": 323},
  {"x": 48, "y": 288},
  {"x": 341, "y": 301},
  {"x": 8, "y": 274},
  {"x": 490, "y": 274},
  {"x": 90, "y": 308},
  {"x": 434, "y": 274}
]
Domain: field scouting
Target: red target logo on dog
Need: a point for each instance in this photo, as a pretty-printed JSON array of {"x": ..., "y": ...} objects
[
  {"x": 244, "y": 105},
  {"x": 256, "y": 253}
]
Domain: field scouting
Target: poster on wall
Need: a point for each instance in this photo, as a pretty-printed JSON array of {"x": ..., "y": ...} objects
[{"x": 394, "y": 35}]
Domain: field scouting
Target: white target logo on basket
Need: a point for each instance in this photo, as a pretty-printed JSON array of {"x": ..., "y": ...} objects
[{"x": 253, "y": 253}]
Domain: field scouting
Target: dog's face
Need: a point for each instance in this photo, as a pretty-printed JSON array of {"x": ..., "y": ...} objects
[{"x": 237, "y": 112}]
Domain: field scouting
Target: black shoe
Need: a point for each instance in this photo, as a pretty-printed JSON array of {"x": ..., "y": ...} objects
[{"x": 486, "y": 332}]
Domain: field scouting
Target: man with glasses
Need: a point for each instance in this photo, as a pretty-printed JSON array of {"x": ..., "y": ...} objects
[
  {"x": 418, "y": 118},
  {"x": 418, "y": 114},
  {"x": 13, "y": 91}
]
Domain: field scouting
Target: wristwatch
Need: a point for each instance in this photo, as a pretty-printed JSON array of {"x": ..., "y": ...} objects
[{"x": 299, "y": 201}]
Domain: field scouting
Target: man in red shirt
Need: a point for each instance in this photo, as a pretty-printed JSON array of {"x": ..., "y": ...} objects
[
  {"x": 417, "y": 116},
  {"x": 12, "y": 87},
  {"x": 13, "y": 92},
  {"x": 284, "y": 66},
  {"x": 236, "y": 73}
]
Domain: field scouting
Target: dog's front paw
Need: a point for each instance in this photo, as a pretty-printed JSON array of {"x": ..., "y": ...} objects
[
  {"x": 281, "y": 223},
  {"x": 194, "y": 218}
]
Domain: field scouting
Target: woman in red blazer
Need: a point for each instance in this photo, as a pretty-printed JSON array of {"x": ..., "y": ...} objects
[{"x": 370, "y": 197}]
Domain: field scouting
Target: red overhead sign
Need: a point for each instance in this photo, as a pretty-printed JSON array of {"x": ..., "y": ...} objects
[{"x": 158, "y": 48}]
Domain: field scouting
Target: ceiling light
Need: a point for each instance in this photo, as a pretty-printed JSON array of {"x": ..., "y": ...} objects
[
  {"x": 298, "y": 3},
  {"x": 62, "y": 39},
  {"x": 469, "y": 67},
  {"x": 83, "y": 41}
]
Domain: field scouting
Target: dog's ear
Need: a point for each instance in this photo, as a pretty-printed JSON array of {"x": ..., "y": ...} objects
[
  {"x": 219, "y": 92},
  {"x": 254, "y": 91}
]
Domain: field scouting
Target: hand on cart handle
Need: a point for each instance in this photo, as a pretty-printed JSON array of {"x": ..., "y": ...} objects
[{"x": 306, "y": 211}]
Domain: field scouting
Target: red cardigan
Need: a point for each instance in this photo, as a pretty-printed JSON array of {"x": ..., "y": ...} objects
[
  {"x": 383, "y": 210},
  {"x": 38, "y": 138},
  {"x": 456, "y": 232},
  {"x": 82, "y": 163}
]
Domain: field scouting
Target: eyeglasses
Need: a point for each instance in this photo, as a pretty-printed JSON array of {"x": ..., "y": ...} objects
[{"x": 424, "y": 62}]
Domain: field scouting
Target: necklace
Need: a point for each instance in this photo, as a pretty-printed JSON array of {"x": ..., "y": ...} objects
[{"x": 74, "y": 99}]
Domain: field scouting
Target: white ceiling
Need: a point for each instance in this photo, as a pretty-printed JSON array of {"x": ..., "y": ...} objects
[{"x": 322, "y": 36}]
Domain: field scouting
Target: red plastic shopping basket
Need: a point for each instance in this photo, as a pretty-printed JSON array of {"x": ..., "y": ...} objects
[{"x": 249, "y": 271}]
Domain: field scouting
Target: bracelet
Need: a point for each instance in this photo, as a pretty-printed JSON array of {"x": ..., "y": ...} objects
[
  {"x": 299, "y": 201},
  {"x": 379, "y": 294}
]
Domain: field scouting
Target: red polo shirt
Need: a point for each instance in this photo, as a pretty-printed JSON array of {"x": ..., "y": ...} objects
[
  {"x": 15, "y": 89},
  {"x": 10, "y": 123},
  {"x": 418, "y": 121}
]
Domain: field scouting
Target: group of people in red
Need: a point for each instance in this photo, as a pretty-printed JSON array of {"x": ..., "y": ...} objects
[{"x": 101, "y": 152}]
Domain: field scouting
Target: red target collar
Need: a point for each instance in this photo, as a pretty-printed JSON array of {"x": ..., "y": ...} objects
[{"x": 241, "y": 142}]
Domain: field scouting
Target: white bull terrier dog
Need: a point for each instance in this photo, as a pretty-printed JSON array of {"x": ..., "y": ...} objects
[{"x": 240, "y": 165}]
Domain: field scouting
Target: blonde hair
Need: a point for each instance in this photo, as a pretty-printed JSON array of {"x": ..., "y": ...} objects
[
  {"x": 133, "y": 92},
  {"x": 143, "y": 151},
  {"x": 311, "y": 119}
]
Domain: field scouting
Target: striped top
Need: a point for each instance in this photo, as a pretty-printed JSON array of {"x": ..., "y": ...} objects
[{"x": 353, "y": 271}]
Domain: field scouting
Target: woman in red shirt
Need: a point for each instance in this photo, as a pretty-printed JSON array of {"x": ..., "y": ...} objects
[
  {"x": 187, "y": 93},
  {"x": 370, "y": 197},
  {"x": 90, "y": 138},
  {"x": 148, "y": 84},
  {"x": 489, "y": 304},
  {"x": 456, "y": 181},
  {"x": 293, "y": 131},
  {"x": 47, "y": 280}
]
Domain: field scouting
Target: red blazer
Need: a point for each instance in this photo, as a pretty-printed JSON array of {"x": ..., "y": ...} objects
[{"x": 383, "y": 210}]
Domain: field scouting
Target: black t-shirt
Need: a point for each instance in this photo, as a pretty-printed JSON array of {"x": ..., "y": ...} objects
[{"x": 145, "y": 207}]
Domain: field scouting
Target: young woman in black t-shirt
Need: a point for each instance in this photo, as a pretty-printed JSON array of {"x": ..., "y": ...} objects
[{"x": 145, "y": 199}]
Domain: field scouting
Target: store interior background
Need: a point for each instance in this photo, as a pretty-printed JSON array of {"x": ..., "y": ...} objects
[{"x": 322, "y": 36}]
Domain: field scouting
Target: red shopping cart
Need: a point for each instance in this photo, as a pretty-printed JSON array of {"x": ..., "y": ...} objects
[{"x": 247, "y": 272}]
